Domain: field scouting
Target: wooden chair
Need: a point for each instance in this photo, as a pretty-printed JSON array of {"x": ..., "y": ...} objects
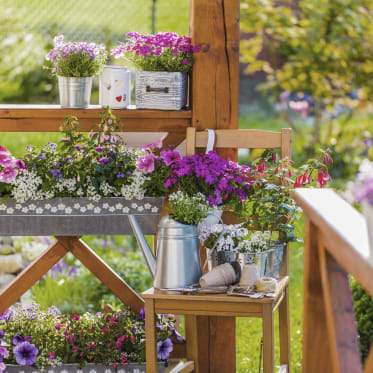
[{"x": 223, "y": 305}]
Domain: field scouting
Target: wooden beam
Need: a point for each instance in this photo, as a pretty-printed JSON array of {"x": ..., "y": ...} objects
[
  {"x": 31, "y": 274},
  {"x": 342, "y": 332},
  {"x": 316, "y": 351},
  {"x": 214, "y": 25},
  {"x": 103, "y": 272},
  {"x": 151, "y": 337}
]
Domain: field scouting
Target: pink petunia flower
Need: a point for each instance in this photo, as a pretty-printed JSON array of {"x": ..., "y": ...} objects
[
  {"x": 8, "y": 174},
  {"x": 4, "y": 150},
  {"x": 155, "y": 145},
  {"x": 6, "y": 159},
  {"x": 146, "y": 164}
]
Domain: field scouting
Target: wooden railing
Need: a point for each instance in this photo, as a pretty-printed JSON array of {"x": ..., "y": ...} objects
[{"x": 336, "y": 244}]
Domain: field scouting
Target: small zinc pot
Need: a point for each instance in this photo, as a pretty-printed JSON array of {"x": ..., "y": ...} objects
[
  {"x": 75, "y": 93},
  {"x": 115, "y": 82},
  {"x": 89, "y": 368},
  {"x": 161, "y": 90},
  {"x": 268, "y": 262}
]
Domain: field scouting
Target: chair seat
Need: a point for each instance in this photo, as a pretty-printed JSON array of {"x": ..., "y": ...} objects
[{"x": 177, "y": 303}]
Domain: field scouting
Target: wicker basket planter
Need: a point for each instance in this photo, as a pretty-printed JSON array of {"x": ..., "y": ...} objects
[
  {"x": 161, "y": 90},
  {"x": 89, "y": 368},
  {"x": 78, "y": 216}
]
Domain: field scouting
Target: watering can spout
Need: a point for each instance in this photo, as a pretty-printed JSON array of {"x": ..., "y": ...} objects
[{"x": 146, "y": 250}]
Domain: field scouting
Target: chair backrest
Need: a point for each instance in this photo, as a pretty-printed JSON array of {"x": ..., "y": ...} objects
[{"x": 239, "y": 139}]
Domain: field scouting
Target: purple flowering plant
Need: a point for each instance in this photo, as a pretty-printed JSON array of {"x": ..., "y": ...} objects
[
  {"x": 94, "y": 165},
  {"x": 165, "y": 51},
  {"x": 72, "y": 59},
  {"x": 46, "y": 339},
  {"x": 363, "y": 185}
]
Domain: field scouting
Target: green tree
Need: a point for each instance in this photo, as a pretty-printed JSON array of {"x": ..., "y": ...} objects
[{"x": 327, "y": 46}]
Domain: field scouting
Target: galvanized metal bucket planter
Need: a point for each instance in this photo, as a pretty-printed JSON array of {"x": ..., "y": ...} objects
[
  {"x": 89, "y": 368},
  {"x": 75, "y": 93},
  {"x": 161, "y": 90},
  {"x": 78, "y": 216},
  {"x": 268, "y": 262}
]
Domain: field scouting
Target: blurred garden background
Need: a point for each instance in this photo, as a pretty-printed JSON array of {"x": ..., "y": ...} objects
[{"x": 305, "y": 64}]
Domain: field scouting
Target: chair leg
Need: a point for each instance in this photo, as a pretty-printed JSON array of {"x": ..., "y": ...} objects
[
  {"x": 268, "y": 339},
  {"x": 284, "y": 326},
  {"x": 151, "y": 337}
]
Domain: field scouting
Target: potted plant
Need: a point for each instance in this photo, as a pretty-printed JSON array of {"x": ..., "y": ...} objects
[
  {"x": 108, "y": 341},
  {"x": 60, "y": 185},
  {"x": 229, "y": 243},
  {"x": 163, "y": 62},
  {"x": 75, "y": 64},
  {"x": 363, "y": 191}
]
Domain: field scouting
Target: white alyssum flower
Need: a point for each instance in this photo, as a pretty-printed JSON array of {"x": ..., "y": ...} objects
[
  {"x": 26, "y": 186},
  {"x": 135, "y": 189}
]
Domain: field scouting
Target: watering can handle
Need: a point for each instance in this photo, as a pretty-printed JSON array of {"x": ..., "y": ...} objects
[{"x": 214, "y": 247}]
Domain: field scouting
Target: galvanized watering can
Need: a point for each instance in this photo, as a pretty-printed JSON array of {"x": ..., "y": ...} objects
[{"x": 178, "y": 263}]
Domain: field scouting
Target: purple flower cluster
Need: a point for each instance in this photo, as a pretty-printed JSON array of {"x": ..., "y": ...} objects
[
  {"x": 63, "y": 49},
  {"x": 219, "y": 179},
  {"x": 67, "y": 51},
  {"x": 9, "y": 166},
  {"x": 63, "y": 269},
  {"x": 164, "y": 44}
]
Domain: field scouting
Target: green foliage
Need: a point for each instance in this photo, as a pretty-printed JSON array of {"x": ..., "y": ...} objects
[
  {"x": 188, "y": 209},
  {"x": 85, "y": 292},
  {"x": 21, "y": 57},
  {"x": 327, "y": 44},
  {"x": 363, "y": 306}
]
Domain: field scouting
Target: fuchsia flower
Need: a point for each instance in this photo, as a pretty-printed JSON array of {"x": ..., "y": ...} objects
[
  {"x": 155, "y": 145},
  {"x": 6, "y": 159},
  {"x": 4, "y": 150},
  {"x": 8, "y": 174},
  {"x": 322, "y": 178},
  {"x": 146, "y": 163}
]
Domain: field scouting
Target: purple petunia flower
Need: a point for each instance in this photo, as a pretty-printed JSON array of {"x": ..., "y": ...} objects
[
  {"x": 99, "y": 149},
  {"x": 1, "y": 334},
  {"x": 164, "y": 349},
  {"x": 3, "y": 352},
  {"x": 18, "y": 338},
  {"x": 142, "y": 314},
  {"x": 169, "y": 157},
  {"x": 154, "y": 145},
  {"x": 146, "y": 163},
  {"x": 25, "y": 353},
  {"x": 104, "y": 160}
]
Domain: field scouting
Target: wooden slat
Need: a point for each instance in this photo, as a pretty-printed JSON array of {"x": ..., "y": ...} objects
[
  {"x": 31, "y": 274},
  {"x": 190, "y": 141},
  {"x": 268, "y": 340},
  {"x": 191, "y": 335},
  {"x": 286, "y": 143},
  {"x": 284, "y": 326},
  {"x": 241, "y": 139},
  {"x": 316, "y": 355},
  {"x": 151, "y": 337},
  {"x": 171, "y": 125},
  {"x": 344, "y": 231},
  {"x": 342, "y": 332},
  {"x": 186, "y": 367},
  {"x": 104, "y": 273},
  {"x": 55, "y": 111},
  {"x": 179, "y": 351},
  {"x": 369, "y": 361}
]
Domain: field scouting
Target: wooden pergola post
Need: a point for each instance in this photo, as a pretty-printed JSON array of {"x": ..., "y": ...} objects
[{"x": 214, "y": 25}]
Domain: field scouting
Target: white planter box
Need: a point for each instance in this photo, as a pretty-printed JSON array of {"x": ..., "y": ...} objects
[{"x": 161, "y": 90}]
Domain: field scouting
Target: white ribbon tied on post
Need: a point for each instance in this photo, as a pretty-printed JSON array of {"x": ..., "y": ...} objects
[{"x": 210, "y": 140}]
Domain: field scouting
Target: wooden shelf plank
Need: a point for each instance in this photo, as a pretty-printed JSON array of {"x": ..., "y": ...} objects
[{"x": 48, "y": 118}]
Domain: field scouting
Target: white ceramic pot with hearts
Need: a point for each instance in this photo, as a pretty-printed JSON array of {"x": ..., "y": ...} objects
[{"x": 115, "y": 82}]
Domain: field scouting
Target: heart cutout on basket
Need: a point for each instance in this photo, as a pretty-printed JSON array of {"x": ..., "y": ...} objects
[{"x": 118, "y": 98}]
